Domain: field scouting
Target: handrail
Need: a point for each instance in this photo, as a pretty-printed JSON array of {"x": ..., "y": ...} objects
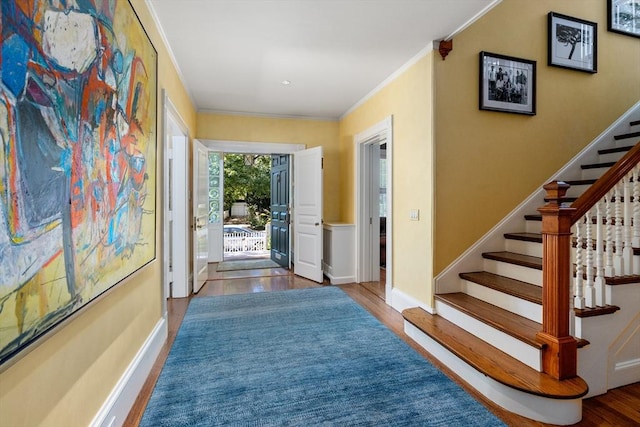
[
  {"x": 605, "y": 183},
  {"x": 559, "y": 358}
]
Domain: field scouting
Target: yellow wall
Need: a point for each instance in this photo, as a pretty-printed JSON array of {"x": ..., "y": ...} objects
[
  {"x": 66, "y": 380},
  {"x": 489, "y": 162},
  {"x": 312, "y": 133},
  {"x": 408, "y": 99}
]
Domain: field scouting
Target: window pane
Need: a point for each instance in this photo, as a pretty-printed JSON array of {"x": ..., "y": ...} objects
[{"x": 214, "y": 188}]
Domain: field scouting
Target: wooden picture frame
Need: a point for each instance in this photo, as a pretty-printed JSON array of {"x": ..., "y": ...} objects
[
  {"x": 623, "y": 17},
  {"x": 572, "y": 43},
  {"x": 78, "y": 164},
  {"x": 507, "y": 84}
]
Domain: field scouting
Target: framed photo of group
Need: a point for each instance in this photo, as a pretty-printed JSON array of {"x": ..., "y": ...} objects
[
  {"x": 573, "y": 43},
  {"x": 507, "y": 84},
  {"x": 623, "y": 16}
]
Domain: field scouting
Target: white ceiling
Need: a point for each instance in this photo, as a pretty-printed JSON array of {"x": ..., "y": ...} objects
[{"x": 234, "y": 54}]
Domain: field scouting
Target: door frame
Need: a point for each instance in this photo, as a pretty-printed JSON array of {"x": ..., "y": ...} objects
[
  {"x": 174, "y": 128},
  {"x": 383, "y": 130},
  {"x": 249, "y": 147}
]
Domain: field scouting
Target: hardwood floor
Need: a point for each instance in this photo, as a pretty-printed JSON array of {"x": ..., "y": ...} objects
[{"x": 619, "y": 407}]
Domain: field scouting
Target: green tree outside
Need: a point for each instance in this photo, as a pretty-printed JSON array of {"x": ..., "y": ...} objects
[{"x": 247, "y": 177}]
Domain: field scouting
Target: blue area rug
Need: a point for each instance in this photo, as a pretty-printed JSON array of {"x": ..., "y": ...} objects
[{"x": 300, "y": 358}]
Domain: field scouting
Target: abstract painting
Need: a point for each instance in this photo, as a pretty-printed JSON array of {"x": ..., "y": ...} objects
[{"x": 78, "y": 94}]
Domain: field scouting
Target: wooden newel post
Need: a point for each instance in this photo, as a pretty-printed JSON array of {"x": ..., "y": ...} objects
[{"x": 559, "y": 357}]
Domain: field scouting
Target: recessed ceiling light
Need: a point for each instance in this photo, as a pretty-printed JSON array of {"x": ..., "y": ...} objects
[{"x": 286, "y": 82}]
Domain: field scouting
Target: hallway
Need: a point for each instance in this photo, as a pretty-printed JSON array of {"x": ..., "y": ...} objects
[{"x": 613, "y": 409}]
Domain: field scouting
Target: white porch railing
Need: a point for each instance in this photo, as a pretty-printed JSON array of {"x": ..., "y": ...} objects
[{"x": 249, "y": 241}]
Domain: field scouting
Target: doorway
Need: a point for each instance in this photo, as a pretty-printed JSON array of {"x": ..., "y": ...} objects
[{"x": 374, "y": 213}]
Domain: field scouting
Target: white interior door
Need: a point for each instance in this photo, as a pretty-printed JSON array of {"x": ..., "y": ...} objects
[
  {"x": 200, "y": 214},
  {"x": 216, "y": 206},
  {"x": 307, "y": 213},
  {"x": 176, "y": 206}
]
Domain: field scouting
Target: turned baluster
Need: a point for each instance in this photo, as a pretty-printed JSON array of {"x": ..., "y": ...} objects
[
  {"x": 627, "y": 250},
  {"x": 578, "y": 298},
  {"x": 618, "y": 259},
  {"x": 589, "y": 290},
  {"x": 609, "y": 270},
  {"x": 599, "y": 282}
]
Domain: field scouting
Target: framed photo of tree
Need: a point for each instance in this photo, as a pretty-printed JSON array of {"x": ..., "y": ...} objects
[
  {"x": 507, "y": 84},
  {"x": 573, "y": 43},
  {"x": 624, "y": 17}
]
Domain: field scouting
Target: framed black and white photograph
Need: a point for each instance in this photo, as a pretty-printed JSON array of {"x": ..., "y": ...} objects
[
  {"x": 623, "y": 16},
  {"x": 573, "y": 43},
  {"x": 507, "y": 84}
]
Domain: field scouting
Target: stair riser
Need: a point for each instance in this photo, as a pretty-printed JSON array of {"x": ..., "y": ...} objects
[
  {"x": 525, "y": 353},
  {"x": 525, "y": 274},
  {"x": 593, "y": 173},
  {"x": 611, "y": 157},
  {"x": 530, "y": 310},
  {"x": 551, "y": 411},
  {"x": 576, "y": 190},
  {"x": 533, "y": 226},
  {"x": 522, "y": 247}
]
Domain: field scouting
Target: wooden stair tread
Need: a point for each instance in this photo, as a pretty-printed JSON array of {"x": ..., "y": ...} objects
[
  {"x": 563, "y": 200},
  {"x": 507, "y": 285},
  {"x": 533, "y": 217},
  {"x": 492, "y": 362},
  {"x": 596, "y": 311},
  {"x": 514, "y": 258},
  {"x": 635, "y": 123},
  {"x": 626, "y": 135},
  {"x": 616, "y": 150},
  {"x": 598, "y": 165},
  {"x": 512, "y": 324},
  {"x": 581, "y": 182},
  {"x": 525, "y": 237},
  {"x": 622, "y": 280}
]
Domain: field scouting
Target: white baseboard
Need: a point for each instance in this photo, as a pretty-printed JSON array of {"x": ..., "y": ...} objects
[
  {"x": 401, "y": 301},
  {"x": 340, "y": 280},
  {"x": 116, "y": 408}
]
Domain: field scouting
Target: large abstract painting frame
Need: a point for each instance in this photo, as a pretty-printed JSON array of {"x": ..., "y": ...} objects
[{"x": 78, "y": 113}]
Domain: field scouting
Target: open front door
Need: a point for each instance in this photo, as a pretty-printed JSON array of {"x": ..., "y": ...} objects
[
  {"x": 200, "y": 214},
  {"x": 307, "y": 213},
  {"x": 280, "y": 209}
]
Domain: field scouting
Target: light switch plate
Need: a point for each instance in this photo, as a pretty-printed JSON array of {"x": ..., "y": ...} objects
[{"x": 414, "y": 214}]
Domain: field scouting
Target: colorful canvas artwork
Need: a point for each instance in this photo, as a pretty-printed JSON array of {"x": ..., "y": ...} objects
[{"x": 78, "y": 94}]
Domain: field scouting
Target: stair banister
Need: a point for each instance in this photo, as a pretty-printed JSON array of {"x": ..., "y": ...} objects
[
  {"x": 559, "y": 358},
  {"x": 606, "y": 182}
]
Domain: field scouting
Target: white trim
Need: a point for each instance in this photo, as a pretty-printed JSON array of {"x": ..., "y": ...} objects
[
  {"x": 473, "y": 19},
  {"x": 115, "y": 409},
  {"x": 163, "y": 36},
  {"x": 385, "y": 129},
  {"x": 339, "y": 280},
  {"x": 401, "y": 301},
  {"x": 546, "y": 410},
  {"x": 168, "y": 111},
  {"x": 252, "y": 147},
  {"x": 267, "y": 115}
]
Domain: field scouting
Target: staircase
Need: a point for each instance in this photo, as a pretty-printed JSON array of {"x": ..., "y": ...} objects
[{"x": 488, "y": 313}]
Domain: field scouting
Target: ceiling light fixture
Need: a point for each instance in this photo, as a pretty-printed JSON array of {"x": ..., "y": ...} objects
[{"x": 286, "y": 82}]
